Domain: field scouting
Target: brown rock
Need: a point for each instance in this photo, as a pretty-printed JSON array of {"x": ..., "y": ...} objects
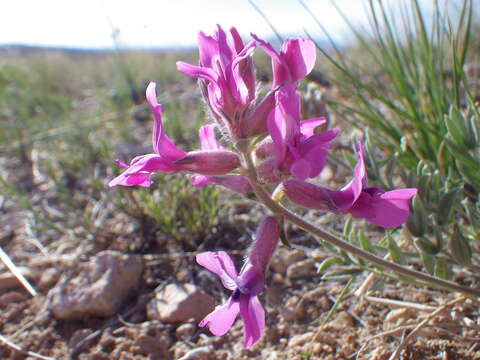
[
  {"x": 48, "y": 278},
  {"x": 100, "y": 288},
  {"x": 201, "y": 353},
  {"x": 11, "y": 297},
  {"x": 400, "y": 316},
  {"x": 178, "y": 303},
  {"x": 325, "y": 336},
  {"x": 344, "y": 319},
  {"x": 185, "y": 331},
  {"x": 9, "y": 281},
  {"x": 301, "y": 269},
  {"x": 148, "y": 345},
  {"x": 283, "y": 258},
  {"x": 299, "y": 340}
]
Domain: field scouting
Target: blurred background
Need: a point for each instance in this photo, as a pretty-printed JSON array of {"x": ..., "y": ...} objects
[{"x": 171, "y": 24}]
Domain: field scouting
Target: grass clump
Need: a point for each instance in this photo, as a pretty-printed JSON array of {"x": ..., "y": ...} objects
[{"x": 410, "y": 88}]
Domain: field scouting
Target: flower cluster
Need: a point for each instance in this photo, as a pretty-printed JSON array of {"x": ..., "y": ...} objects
[{"x": 266, "y": 133}]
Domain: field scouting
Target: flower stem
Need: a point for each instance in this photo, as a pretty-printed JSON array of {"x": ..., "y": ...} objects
[{"x": 279, "y": 209}]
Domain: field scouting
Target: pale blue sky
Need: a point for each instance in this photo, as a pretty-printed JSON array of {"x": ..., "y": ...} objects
[{"x": 153, "y": 23}]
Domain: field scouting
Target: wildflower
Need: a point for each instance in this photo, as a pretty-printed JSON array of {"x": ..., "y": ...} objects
[
  {"x": 295, "y": 60},
  {"x": 387, "y": 209},
  {"x": 244, "y": 286},
  {"x": 227, "y": 78},
  {"x": 298, "y": 150},
  {"x": 170, "y": 159}
]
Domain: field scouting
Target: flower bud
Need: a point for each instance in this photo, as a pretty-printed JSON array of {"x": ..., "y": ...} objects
[
  {"x": 417, "y": 224},
  {"x": 236, "y": 183},
  {"x": 265, "y": 243},
  {"x": 209, "y": 162},
  {"x": 256, "y": 122},
  {"x": 308, "y": 195}
]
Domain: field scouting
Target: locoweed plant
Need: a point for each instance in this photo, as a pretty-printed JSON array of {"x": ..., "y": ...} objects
[{"x": 270, "y": 154}]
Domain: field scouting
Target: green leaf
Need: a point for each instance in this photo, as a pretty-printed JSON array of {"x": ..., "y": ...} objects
[
  {"x": 442, "y": 269},
  {"x": 460, "y": 248},
  {"x": 428, "y": 262},
  {"x": 364, "y": 242},
  {"x": 394, "y": 251},
  {"x": 446, "y": 206},
  {"x": 327, "y": 263},
  {"x": 426, "y": 246}
]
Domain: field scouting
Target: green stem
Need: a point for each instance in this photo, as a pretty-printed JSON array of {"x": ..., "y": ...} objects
[{"x": 279, "y": 209}]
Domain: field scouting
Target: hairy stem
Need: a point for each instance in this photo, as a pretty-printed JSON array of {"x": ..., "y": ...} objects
[{"x": 279, "y": 209}]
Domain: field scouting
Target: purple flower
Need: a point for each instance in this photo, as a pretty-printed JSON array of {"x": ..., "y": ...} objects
[
  {"x": 387, "y": 209},
  {"x": 294, "y": 61},
  {"x": 244, "y": 286},
  {"x": 235, "y": 183},
  {"x": 227, "y": 78},
  {"x": 170, "y": 159},
  {"x": 298, "y": 150}
]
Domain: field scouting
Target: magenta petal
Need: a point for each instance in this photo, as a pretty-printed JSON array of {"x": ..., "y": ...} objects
[
  {"x": 221, "y": 319},
  {"x": 221, "y": 264},
  {"x": 200, "y": 180},
  {"x": 237, "y": 42},
  {"x": 301, "y": 168},
  {"x": 140, "y": 169},
  {"x": 347, "y": 196},
  {"x": 283, "y": 121},
  {"x": 251, "y": 280},
  {"x": 121, "y": 164},
  {"x": 267, "y": 48},
  {"x": 137, "y": 179},
  {"x": 207, "y": 49},
  {"x": 253, "y": 317},
  {"x": 392, "y": 208},
  {"x": 197, "y": 71},
  {"x": 299, "y": 56},
  {"x": 308, "y": 126},
  {"x": 162, "y": 144},
  {"x": 206, "y": 134},
  {"x": 317, "y": 159}
]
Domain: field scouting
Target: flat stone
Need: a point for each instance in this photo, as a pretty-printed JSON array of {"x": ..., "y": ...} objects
[
  {"x": 178, "y": 303},
  {"x": 301, "y": 339},
  {"x": 301, "y": 269},
  {"x": 100, "y": 287},
  {"x": 283, "y": 258}
]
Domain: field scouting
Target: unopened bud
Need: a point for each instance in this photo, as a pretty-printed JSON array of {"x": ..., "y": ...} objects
[
  {"x": 209, "y": 162},
  {"x": 265, "y": 243},
  {"x": 256, "y": 123},
  {"x": 308, "y": 195},
  {"x": 417, "y": 224}
]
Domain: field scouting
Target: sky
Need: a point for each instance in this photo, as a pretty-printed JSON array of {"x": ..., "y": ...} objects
[{"x": 163, "y": 23}]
